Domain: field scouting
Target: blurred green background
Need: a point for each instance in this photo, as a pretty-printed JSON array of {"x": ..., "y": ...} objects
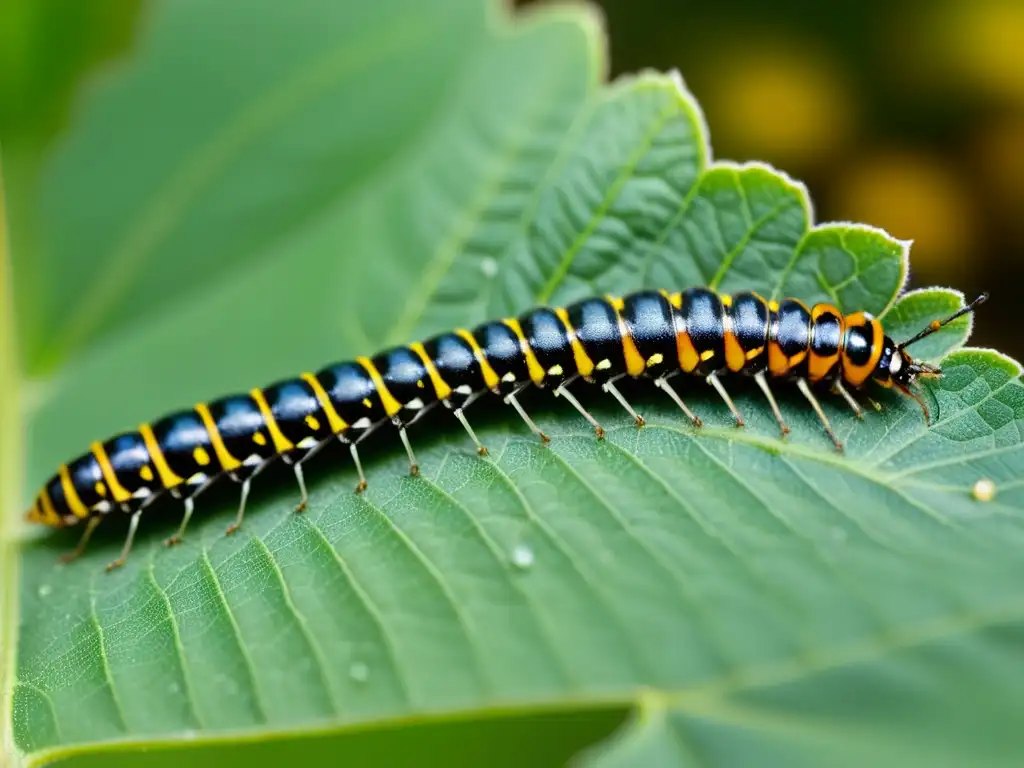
[{"x": 907, "y": 114}]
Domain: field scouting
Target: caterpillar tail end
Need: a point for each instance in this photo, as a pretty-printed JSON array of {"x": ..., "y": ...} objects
[{"x": 115, "y": 564}]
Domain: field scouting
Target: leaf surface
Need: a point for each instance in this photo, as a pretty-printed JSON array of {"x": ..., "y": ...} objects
[{"x": 752, "y": 597}]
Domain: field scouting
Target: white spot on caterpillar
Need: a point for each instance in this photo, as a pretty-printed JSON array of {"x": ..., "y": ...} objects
[
  {"x": 655, "y": 359},
  {"x": 252, "y": 460},
  {"x": 464, "y": 389},
  {"x": 555, "y": 370},
  {"x": 509, "y": 377},
  {"x": 604, "y": 365},
  {"x": 306, "y": 442},
  {"x": 415, "y": 404},
  {"x": 362, "y": 423}
]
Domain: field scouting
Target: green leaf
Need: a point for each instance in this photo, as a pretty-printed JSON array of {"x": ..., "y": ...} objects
[{"x": 397, "y": 171}]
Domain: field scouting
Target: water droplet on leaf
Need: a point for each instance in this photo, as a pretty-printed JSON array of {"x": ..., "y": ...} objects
[
  {"x": 984, "y": 490},
  {"x": 489, "y": 266},
  {"x": 522, "y": 556},
  {"x": 359, "y": 671}
]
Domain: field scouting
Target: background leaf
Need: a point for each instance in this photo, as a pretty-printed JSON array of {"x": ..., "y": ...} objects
[{"x": 778, "y": 599}]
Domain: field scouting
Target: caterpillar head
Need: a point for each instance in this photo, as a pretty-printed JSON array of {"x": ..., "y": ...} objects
[{"x": 897, "y": 368}]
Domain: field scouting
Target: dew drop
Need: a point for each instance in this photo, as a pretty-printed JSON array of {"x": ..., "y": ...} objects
[
  {"x": 522, "y": 556},
  {"x": 488, "y": 266},
  {"x": 45, "y": 590},
  {"x": 984, "y": 490},
  {"x": 359, "y": 671}
]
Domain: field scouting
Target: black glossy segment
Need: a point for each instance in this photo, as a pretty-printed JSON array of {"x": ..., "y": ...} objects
[
  {"x": 793, "y": 334},
  {"x": 502, "y": 351},
  {"x": 179, "y": 435},
  {"x": 549, "y": 340},
  {"x": 750, "y": 320},
  {"x": 128, "y": 455},
  {"x": 353, "y": 396},
  {"x": 55, "y": 490},
  {"x": 704, "y": 319},
  {"x": 240, "y": 423},
  {"x": 456, "y": 365},
  {"x": 885, "y": 360},
  {"x": 597, "y": 327},
  {"x": 858, "y": 344},
  {"x": 826, "y": 336},
  {"x": 297, "y": 412},
  {"x": 648, "y": 317},
  {"x": 406, "y": 378},
  {"x": 86, "y": 477}
]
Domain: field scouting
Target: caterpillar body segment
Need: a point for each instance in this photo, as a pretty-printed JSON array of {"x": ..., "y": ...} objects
[{"x": 655, "y": 335}]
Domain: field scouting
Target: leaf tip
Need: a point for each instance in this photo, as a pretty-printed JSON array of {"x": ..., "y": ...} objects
[{"x": 670, "y": 80}]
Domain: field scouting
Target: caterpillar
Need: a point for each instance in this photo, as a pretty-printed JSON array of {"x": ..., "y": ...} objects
[{"x": 648, "y": 334}]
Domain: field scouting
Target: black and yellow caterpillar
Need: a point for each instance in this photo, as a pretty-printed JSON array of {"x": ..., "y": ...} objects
[{"x": 650, "y": 334}]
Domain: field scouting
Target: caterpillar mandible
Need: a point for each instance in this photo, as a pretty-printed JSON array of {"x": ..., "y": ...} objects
[{"x": 648, "y": 334}]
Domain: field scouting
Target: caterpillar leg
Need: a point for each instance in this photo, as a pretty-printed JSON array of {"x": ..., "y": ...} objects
[
  {"x": 803, "y": 387},
  {"x": 133, "y": 525},
  {"x": 563, "y": 391},
  {"x": 762, "y": 382},
  {"x": 510, "y": 398},
  {"x": 662, "y": 384},
  {"x": 190, "y": 506},
  {"x": 414, "y": 467},
  {"x": 299, "y": 477},
  {"x": 840, "y": 389},
  {"x": 241, "y": 505},
  {"x": 361, "y": 485},
  {"x": 465, "y": 423},
  {"x": 190, "y": 501},
  {"x": 301, "y": 480},
  {"x": 714, "y": 382},
  {"x": 920, "y": 401},
  {"x": 90, "y": 526},
  {"x": 609, "y": 386}
]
